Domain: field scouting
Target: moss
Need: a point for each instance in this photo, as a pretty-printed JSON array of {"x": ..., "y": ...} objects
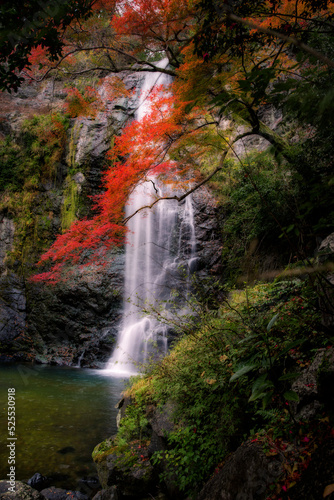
[
  {"x": 29, "y": 162},
  {"x": 72, "y": 148},
  {"x": 70, "y": 204},
  {"x": 102, "y": 450}
]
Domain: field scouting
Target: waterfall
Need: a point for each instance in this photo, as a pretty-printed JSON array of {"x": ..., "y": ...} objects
[{"x": 160, "y": 240}]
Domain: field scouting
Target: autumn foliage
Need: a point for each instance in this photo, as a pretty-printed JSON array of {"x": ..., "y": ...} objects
[{"x": 224, "y": 60}]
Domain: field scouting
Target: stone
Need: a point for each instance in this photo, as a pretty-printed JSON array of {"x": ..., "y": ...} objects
[
  {"x": 307, "y": 389},
  {"x": 67, "y": 449},
  {"x": 133, "y": 481},
  {"x": 325, "y": 258},
  {"x": 122, "y": 406},
  {"x": 245, "y": 476},
  {"x": 22, "y": 492},
  {"x": 325, "y": 380},
  {"x": 130, "y": 470},
  {"x": 315, "y": 386},
  {"x": 162, "y": 424},
  {"x": 37, "y": 481},
  {"x": 60, "y": 494},
  {"x": 108, "y": 494},
  {"x": 318, "y": 475}
]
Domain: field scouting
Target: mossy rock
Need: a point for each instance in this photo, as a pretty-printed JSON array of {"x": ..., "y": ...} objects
[
  {"x": 126, "y": 465},
  {"x": 102, "y": 450},
  {"x": 20, "y": 491}
]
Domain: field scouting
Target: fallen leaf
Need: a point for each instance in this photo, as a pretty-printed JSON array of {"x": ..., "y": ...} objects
[
  {"x": 211, "y": 381},
  {"x": 328, "y": 490}
]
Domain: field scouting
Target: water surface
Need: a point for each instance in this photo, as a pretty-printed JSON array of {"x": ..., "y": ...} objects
[{"x": 61, "y": 414}]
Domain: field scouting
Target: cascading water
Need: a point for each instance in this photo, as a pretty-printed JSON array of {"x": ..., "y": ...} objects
[{"x": 159, "y": 241}]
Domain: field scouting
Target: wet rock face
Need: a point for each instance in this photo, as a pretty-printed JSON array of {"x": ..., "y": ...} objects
[
  {"x": 94, "y": 137},
  {"x": 34, "y": 98},
  {"x": 76, "y": 322},
  {"x": 12, "y": 308},
  {"x": 208, "y": 221}
]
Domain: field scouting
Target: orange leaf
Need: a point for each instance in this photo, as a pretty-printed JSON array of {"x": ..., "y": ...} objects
[{"x": 328, "y": 490}]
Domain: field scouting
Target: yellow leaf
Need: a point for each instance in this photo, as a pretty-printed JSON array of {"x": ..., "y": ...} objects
[
  {"x": 203, "y": 374},
  {"x": 328, "y": 490},
  {"x": 295, "y": 468},
  {"x": 287, "y": 468},
  {"x": 223, "y": 358},
  {"x": 211, "y": 381}
]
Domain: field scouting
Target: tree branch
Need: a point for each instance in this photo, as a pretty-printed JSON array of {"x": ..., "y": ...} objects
[
  {"x": 290, "y": 39},
  {"x": 152, "y": 67},
  {"x": 182, "y": 197}
]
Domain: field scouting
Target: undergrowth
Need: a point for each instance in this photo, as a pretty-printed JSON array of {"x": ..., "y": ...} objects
[{"x": 230, "y": 379}]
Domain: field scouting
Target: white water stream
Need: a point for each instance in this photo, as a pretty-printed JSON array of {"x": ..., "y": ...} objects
[{"x": 160, "y": 240}]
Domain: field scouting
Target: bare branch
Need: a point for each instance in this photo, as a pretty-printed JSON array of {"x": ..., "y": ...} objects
[
  {"x": 143, "y": 65},
  {"x": 180, "y": 198}
]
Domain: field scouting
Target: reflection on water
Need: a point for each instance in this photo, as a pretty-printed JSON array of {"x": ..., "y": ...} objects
[{"x": 61, "y": 414}]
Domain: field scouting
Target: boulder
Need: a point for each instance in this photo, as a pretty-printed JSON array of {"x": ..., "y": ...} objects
[
  {"x": 22, "y": 491},
  {"x": 315, "y": 386},
  {"x": 307, "y": 389},
  {"x": 128, "y": 468},
  {"x": 37, "y": 481},
  {"x": 162, "y": 424},
  {"x": 134, "y": 481},
  {"x": 108, "y": 494},
  {"x": 245, "y": 476},
  {"x": 317, "y": 481},
  {"x": 60, "y": 494},
  {"x": 325, "y": 380},
  {"x": 325, "y": 258}
]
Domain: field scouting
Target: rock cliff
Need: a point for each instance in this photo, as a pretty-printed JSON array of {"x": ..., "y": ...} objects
[{"x": 74, "y": 322}]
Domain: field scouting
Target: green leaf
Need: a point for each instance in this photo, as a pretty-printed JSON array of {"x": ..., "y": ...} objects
[
  {"x": 242, "y": 371},
  {"x": 291, "y": 345},
  {"x": 272, "y": 322},
  {"x": 267, "y": 398},
  {"x": 257, "y": 395},
  {"x": 247, "y": 338},
  {"x": 291, "y": 396},
  {"x": 260, "y": 386},
  {"x": 289, "y": 376}
]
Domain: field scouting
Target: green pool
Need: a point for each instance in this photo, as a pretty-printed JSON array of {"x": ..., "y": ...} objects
[{"x": 61, "y": 414}]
